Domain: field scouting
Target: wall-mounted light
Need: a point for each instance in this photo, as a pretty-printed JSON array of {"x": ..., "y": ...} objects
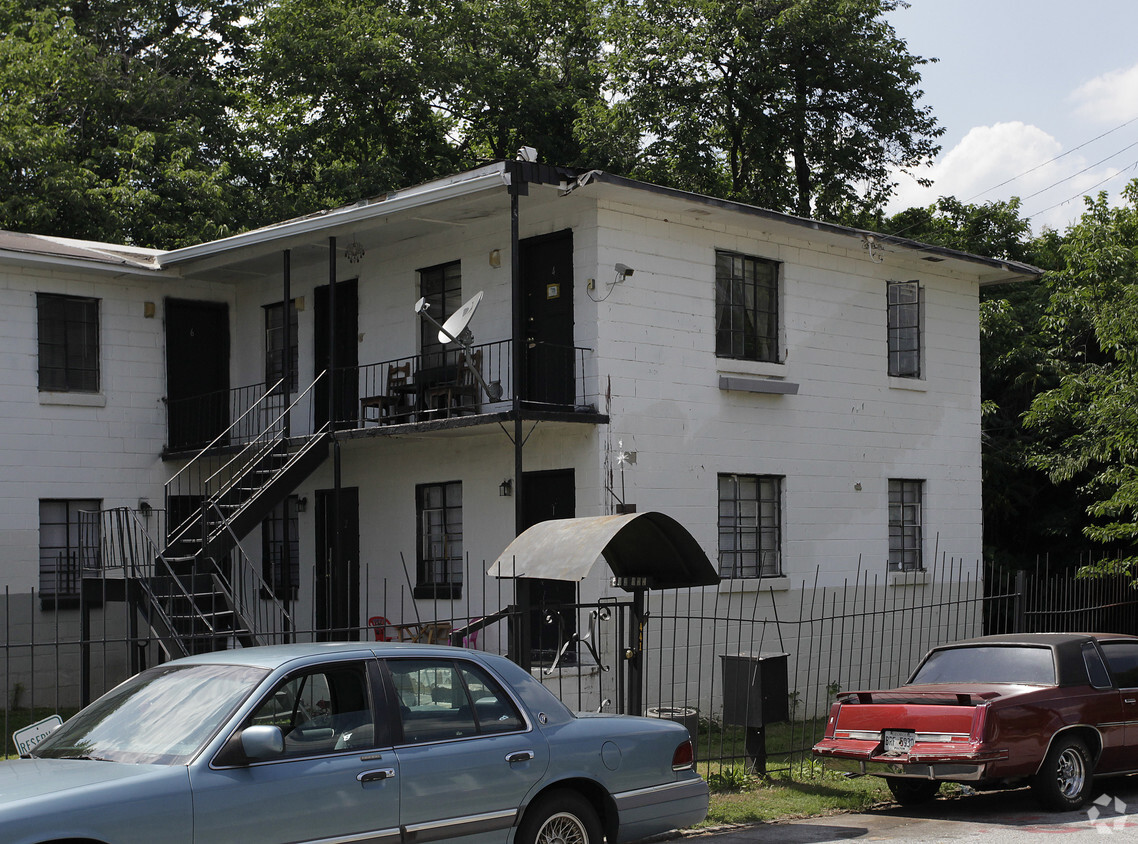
[
  {"x": 145, "y": 508},
  {"x": 506, "y": 488},
  {"x": 354, "y": 253},
  {"x": 301, "y": 505},
  {"x": 495, "y": 258}
]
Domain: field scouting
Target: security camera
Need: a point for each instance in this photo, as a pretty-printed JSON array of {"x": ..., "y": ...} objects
[{"x": 624, "y": 270}]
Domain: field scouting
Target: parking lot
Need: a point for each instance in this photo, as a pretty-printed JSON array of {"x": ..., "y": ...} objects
[{"x": 1010, "y": 816}]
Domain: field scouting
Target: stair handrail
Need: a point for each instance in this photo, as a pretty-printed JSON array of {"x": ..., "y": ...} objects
[
  {"x": 268, "y": 441},
  {"x": 263, "y": 587}
]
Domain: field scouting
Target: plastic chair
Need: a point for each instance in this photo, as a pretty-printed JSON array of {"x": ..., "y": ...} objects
[{"x": 379, "y": 625}]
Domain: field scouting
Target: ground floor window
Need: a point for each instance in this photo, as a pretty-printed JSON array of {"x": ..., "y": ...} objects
[
  {"x": 280, "y": 551},
  {"x": 62, "y": 529},
  {"x": 750, "y": 526},
  {"x": 439, "y": 517},
  {"x": 905, "y": 530}
]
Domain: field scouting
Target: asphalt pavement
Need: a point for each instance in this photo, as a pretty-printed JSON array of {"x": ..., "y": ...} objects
[{"x": 999, "y": 816}]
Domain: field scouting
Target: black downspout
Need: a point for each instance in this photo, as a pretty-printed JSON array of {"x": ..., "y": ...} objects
[
  {"x": 332, "y": 521},
  {"x": 522, "y": 592},
  {"x": 286, "y": 368}
]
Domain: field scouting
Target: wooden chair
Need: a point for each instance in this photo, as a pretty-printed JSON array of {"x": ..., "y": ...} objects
[
  {"x": 397, "y": 402},
  {"x": 463, "y": 393}
]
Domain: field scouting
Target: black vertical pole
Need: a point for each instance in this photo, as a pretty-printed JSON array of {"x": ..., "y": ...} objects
[
  {"x": 522, "y": 592},
  {"x": 332, "y": 520},
  {"x": 286, "y": 368}
]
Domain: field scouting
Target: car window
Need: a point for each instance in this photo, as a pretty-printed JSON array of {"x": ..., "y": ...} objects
[
  {"x": 1122, "y": 657},
  {"x": 988, "y": 664},
  {"x": 162, "y": 716},
  {"x": 443, "y": 699},
  {"x": 1096, "y": 671},
  {"x": 321, "y": 711}
]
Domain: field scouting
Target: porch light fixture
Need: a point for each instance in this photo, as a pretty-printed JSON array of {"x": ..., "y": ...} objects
[
  {"x": 506, "y": 488},
  {"x": 354, "y": 252}
]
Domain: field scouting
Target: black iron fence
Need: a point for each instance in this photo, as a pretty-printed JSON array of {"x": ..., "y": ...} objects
[{"x": 750, "y": 671}]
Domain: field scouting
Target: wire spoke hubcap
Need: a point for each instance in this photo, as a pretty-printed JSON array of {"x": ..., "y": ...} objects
[{"x": 562, "y": 828}]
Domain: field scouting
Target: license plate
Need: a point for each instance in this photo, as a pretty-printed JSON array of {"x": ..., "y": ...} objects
[{"x": 899, "y": 741}]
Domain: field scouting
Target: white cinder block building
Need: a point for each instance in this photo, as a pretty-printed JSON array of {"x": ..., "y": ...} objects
[{"x": 802, "y": 397}]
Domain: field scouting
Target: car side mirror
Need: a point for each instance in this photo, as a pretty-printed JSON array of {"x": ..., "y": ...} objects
[{"x": 262, "y": 742}]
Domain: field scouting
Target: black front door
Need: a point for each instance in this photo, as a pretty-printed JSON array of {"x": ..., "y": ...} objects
[
  {"x": 337, "y": 565},
  {"x": 197, "y": 372},
  {"x": 547, "y": 283},
  {"x": 345, "y": 379},
  {"x": 552, "y": 616}
]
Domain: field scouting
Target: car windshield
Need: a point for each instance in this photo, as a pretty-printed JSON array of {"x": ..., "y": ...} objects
[
  {"x": 988, "y": 664},
  {"x": 161, "y": 716}
]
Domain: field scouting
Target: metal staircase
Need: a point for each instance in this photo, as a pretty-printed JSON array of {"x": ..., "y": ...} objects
[{"x": 201, "y": 592}]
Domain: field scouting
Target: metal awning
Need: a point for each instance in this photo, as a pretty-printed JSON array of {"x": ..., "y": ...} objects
[{"x": 643, "y": 550}]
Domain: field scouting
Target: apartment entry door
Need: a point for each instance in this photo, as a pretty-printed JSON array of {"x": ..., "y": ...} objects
[
  {"x": 197, "y": 372},
  {"x": 552, "y": 616},
  {"x": 547, "y": 310},
  {"x": 345, "y": 380},
  {"x": 337, "y": 592}
]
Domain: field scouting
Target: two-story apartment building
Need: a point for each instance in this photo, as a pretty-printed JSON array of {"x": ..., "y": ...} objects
[{"x": 802, "y": 397}]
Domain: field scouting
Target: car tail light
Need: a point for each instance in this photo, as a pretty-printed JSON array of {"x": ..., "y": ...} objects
[{"x": 684, "y": 757}]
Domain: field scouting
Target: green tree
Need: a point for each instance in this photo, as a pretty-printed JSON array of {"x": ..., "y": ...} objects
[
  {"x": 114, "y": 120},
  {"x": 803, "y": 106},
  {"x": 1089, "y": 420}
]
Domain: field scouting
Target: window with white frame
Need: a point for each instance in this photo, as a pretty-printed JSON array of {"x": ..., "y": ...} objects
[
  {"x": 746, "y": 307},
  {"x": 906, "y": 506},
  {"x": 439, "y": 516},
  {"x": 62, "y": 526},
  {"x": 750, "y": 526},
  {"x": 68, "y": 343},
  {"x": 905, "y": 329}
]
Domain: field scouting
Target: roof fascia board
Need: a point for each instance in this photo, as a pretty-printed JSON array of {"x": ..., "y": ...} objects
[
  {"x": 484, "y": 178},
  {"x": 1007, "y": 271},
  {"x": 9, "y": 256}
]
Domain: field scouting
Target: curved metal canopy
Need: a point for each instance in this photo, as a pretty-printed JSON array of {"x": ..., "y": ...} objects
[{"x": 643, "y": 550}]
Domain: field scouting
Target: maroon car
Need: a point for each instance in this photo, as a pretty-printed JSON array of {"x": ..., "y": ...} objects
[{"x": 1047, "y": 709}]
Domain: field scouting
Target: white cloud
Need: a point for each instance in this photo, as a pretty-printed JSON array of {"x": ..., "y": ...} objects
[
  {"x": 1023, "y": 156},
  {"x": 1110, "y": 98}
]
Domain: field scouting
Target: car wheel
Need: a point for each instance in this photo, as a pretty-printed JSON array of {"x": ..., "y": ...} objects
[
  {"x": 910, "y": 792},
  {"x": 561, "y": 817},
  {"x": 1064, "y": 780}
]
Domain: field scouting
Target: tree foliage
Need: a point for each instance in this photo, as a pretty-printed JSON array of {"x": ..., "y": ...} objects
[{"x": 796, "y": 105}]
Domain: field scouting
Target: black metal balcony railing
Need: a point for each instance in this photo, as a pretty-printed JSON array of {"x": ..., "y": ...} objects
[{"x": 434, "y": 386}]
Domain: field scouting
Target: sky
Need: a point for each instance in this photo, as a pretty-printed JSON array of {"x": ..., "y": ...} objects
[{"x": 1023, "y": 90}]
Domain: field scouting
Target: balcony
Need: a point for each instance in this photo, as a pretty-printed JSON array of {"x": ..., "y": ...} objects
[{"x": 429, "y": 392}]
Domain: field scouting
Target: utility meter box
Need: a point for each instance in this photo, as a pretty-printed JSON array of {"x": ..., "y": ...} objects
[{"x": 755, "y": 689}]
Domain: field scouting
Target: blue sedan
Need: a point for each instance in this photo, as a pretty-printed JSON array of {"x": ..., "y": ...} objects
[{"x": 347, "y": 742}]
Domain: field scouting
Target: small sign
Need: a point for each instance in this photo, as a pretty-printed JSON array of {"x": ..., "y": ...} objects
[
  {"x": 33, "y": 734},
  {"x": 553, "y": 291}
]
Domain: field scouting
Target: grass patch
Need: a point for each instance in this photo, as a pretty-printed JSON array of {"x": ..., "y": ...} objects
[{"x": 801, "y": 796}]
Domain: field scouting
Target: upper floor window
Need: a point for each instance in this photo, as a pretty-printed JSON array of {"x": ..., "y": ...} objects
[
  {"x": 905, "y": 525},
  {"x": 68, "y": 343},
  {"x": 441, "y": 286},
  {"x": 62, "y": 525},
  {"x": 905, "y": 329},
  {"x": 750, "y": 526},
  {"x": 746, "y": 307},
  {"x": 275, "y": 350},
  {"x": 439, "y": 516}
]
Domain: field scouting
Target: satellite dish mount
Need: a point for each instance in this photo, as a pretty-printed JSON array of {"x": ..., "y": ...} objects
[{"x": 456, "y": 330}]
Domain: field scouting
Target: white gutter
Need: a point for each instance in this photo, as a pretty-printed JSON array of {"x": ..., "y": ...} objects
[{"x": 491, "y": 176}]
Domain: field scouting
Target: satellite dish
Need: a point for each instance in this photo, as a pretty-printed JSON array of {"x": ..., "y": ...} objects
[{"x": 457, "y": 322}]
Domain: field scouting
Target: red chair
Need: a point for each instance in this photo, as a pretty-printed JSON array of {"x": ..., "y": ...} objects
[{"x": 379, "y": 625}]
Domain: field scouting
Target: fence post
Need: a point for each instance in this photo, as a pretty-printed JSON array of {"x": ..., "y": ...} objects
[{"x": 1019, "y": 608}]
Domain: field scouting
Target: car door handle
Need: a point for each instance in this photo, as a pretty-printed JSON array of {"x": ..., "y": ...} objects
[
  {"x": 520, "y": 756},
  {"x": 376, "y": 775}
]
